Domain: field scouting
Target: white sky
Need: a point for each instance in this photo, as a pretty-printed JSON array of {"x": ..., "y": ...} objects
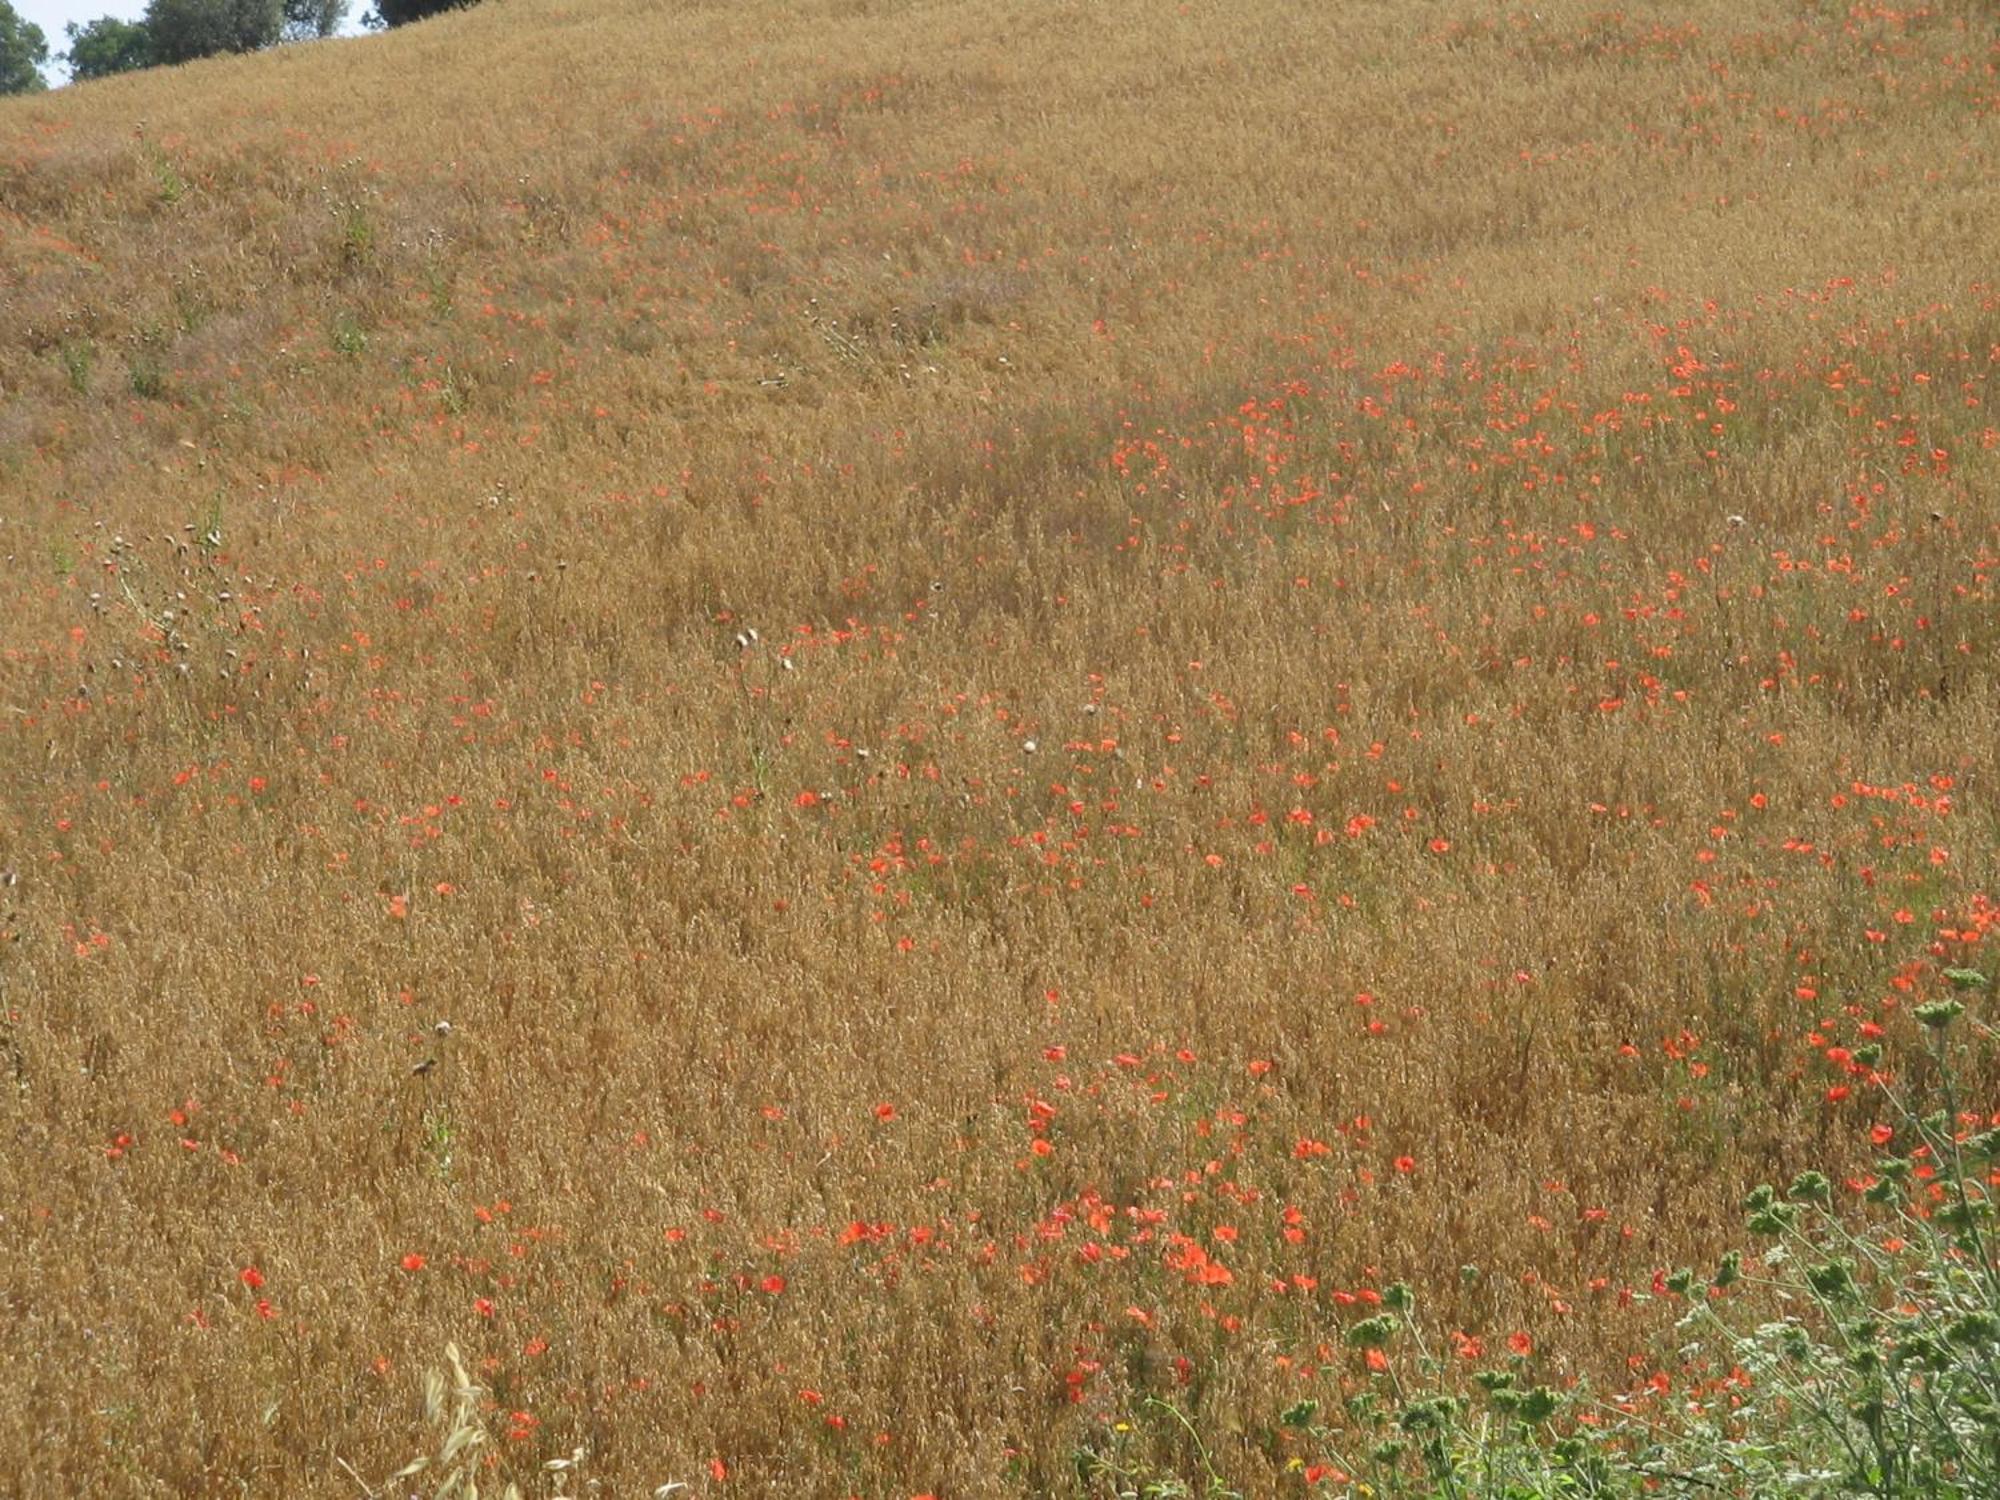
[{"x": 51, "y": 15}]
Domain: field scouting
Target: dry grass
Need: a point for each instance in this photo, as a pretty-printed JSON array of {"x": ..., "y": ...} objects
[{"x": 1374, "y": 624}]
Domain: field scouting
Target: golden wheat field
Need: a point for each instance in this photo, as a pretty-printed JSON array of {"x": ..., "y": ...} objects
[{"x": 864, "y": 736}]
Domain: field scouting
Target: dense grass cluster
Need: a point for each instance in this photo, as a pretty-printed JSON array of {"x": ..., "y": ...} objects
[{"x": 893, "y": 748}]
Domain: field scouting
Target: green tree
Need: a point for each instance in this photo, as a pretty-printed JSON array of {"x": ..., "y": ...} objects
[
  {"x": 107, "y": 46},
  {"x": 23, "y": 50},
  {"x": 182, "y": 30},
  {"x": 306, "y": 19},
  {"x": 402, "y": 12}
]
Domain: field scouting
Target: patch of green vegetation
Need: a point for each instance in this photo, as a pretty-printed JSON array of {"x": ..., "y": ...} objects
[
  {"x": 79, "y": 358},
  {"x": 347, "y": 335}
]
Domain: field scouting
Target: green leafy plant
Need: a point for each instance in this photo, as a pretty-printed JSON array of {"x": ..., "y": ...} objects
[
  {"x": 1412, "y": 1433},
  {"x": 1116, "y": 1464},
  {"x": 168, "y": 183},
  {"x": 347, "y": 335},
  {"x": 79, "y": 357},
  {"x": 1868, "y": 1363},
  {"x": 147, "y": 369},
  {"x": 1883, "y": 1364}
]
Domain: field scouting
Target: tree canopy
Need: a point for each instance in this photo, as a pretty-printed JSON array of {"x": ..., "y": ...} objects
[
  {"x": 182, "y": 30},
  {"x": 107, "y": 46},
  {"x": 23, "y": 50},
  {"x": 402, "y": 12},
  {"x": 307, "y": 19}
]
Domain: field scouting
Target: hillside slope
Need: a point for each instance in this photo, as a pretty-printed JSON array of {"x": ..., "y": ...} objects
[{"x": 855, "y": 730}]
